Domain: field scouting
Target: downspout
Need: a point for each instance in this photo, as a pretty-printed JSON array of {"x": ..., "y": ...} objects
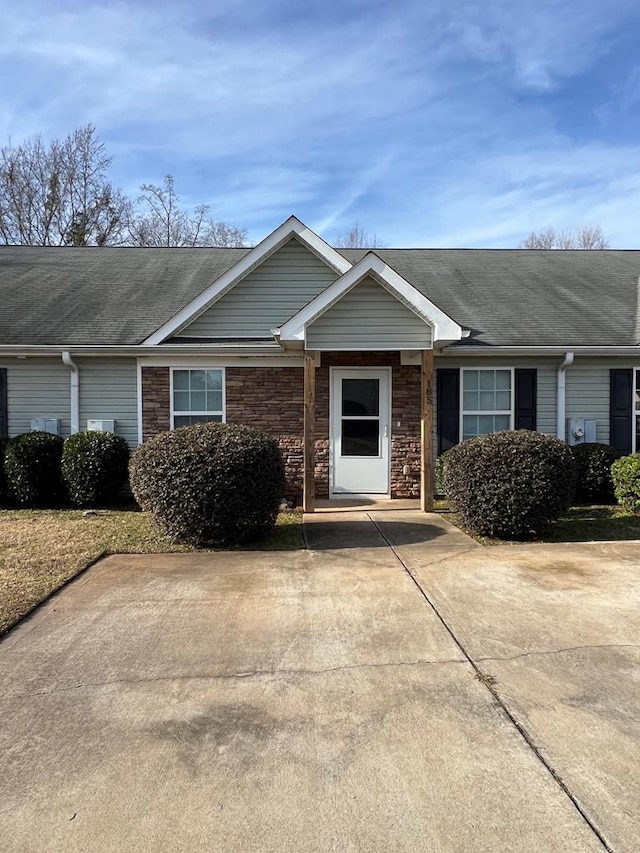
[
  {"x": 561, "y": 387},
  {"x": 75, "y": 391}
]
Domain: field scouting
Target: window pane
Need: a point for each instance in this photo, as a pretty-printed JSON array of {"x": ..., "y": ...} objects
[
  {"x": 360, "y": 438},
  {"x": 214, "y": 380},
  {"x": 181, "y": 401},
  {"x": 214, "y": 401},
  {"x": 487, "y": 401},
  {"x": 181, "y": 380},
  {"x": 469, "y": 426},
  {"x": 503, "y": 380},
  {"x": 360, "y": 396},
  {"x": 487, "y": 380},
  {"x": 470, "y": 380},
  {"x": 503, "y": 400},
  {"x": 485, "y": 424},
  {"x": 189, "y": 420},
  {"x": 198, "y": 380},
  {"x": 470, "y": 400},
  {"x": 501, "y": 422},
  {"x": 198, "y": 401}
]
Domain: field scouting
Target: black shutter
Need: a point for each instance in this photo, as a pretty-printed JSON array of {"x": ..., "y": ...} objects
[
  {"x": 4, "y": 413},
  {"x": 448, "y": 417},
  {"x": 526, "y": 397},
  {"x": 620, "y": 409}
]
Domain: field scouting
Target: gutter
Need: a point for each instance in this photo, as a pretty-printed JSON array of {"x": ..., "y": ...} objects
[
  {"x": 561, "y": 388},
  {"x": 75, "y": 391},
  {"x": 239, "y": 351},
  {"x": 538, "y": 351}
]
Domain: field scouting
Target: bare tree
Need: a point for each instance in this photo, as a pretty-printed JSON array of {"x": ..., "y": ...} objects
[
  {"x": 58, "y": 194},
  {"x": 357, "y": 238},
  {"x": 158, "y": 219},
  {"x": 583, "y": 237}
]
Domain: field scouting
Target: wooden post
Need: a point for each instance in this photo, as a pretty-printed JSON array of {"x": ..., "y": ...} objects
[
  {"x": 309, "y": 493},
  {"x": 426, "y": 432}
]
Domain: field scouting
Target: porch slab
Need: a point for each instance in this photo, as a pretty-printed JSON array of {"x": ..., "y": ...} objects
[{"x": 366, "y": 505}]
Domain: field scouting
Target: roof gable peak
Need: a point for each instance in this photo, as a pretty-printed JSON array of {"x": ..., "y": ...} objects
[{"x": 291, "y": 228}]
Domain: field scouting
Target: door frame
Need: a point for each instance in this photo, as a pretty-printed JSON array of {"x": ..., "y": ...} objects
[{"x": 362, "y": 369}]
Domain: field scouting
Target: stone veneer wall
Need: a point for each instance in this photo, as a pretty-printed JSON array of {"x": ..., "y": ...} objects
[
  {"x": 405, "y": 411},
  {"x": 272, "y": 399},
  {"x": 156, "y": 404}
]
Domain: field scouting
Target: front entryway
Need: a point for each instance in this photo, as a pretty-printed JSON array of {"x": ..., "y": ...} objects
[{"x": 360, "y": 435}]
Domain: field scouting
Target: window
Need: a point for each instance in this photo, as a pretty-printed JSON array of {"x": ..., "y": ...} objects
[
  {"x": 197, "y": 396},
  {"x": 486, "y": 401}
]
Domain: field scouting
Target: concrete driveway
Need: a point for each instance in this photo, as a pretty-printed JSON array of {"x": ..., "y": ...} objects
[{"x": 395, "y": 688}]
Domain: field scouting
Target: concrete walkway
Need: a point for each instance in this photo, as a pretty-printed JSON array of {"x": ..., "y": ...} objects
[{"x": 338, "y": 699}]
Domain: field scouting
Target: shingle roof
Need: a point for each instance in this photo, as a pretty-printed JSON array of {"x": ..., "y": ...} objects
[
  {"x": 528, "y": 297},
  {"x": 119, "y": 296},
  {"x": 99, "y": 296}
]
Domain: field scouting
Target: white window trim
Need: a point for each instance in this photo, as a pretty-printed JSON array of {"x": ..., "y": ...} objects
[
  {"x": 464, "y": 412},
  {"x": 186, "y": 414}
]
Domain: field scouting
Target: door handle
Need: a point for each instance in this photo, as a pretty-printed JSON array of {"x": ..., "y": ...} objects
[{"x": 386, "y": 430}]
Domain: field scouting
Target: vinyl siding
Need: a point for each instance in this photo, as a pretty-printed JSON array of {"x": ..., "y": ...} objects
[
  {"x": 546, "y": 395},
  {"x": 368, "y": 317},
  {"x": 108, "y": 390},
  {"x": 37, "y": 388},
  {"x": 588, "y": 390},
  {"x": 267, "y": 297},
  {"x": 587, "y": 387}
]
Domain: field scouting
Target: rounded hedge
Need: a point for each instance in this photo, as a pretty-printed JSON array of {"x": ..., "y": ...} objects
[
  {"x": 210, "y": 483},
  {"x": 510, "y": 484},
  {"x": 593, "y": 472},
  {"x": 32, "y": 469},
  {"x": 95, "y": 467},
  {"x": 625, "y": 473}
]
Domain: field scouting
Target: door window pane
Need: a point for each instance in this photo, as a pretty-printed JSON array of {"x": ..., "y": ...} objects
[
  {"x": 360, "y": 397},
  {"x": 360, "y": 437}
]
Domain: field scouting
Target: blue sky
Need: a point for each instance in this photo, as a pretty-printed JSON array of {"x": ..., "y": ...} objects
[{"x": 446, "y": 123}]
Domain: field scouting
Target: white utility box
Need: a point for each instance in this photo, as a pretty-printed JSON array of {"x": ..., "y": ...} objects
[
  {"x": 581, "y": 431},
  {"x": 101, "y": 426},
  {"x": 51, "y": 425}
]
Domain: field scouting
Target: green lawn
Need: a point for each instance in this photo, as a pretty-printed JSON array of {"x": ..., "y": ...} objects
[
  {"x": 42, "y": 549},
  {"x": 581, "y": 524}
]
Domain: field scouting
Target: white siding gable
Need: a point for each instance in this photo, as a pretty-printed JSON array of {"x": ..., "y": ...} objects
[
  {"x": 368, "y": 317},
  {"x": 267, "y": 297}
]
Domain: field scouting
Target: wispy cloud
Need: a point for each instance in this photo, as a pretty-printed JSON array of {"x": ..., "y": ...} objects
[{"x": 428, "y": 123}]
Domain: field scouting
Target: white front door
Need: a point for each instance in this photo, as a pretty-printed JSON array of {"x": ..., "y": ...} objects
[{"x": 360, "y": 431}]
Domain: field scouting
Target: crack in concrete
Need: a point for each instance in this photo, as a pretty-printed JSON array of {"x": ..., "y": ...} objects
[
  {"x": 543, "y": 652},
  {"x": 488, "y": 681},
  {"x": 233, "y": 676}
]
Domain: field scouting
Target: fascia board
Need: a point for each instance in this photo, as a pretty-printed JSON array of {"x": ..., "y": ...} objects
[
  {"x": 445, "y": 329},
  {"x": 292, "y": 227}
]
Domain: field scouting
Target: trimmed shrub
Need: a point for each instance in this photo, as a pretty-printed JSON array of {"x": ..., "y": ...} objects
[
  {"x": 32, "y": 468},
  {"x": 510, "y": 484},
  {"x": 210, "y": 483},
  {"x": 95, "y": 467},
  {"x": 4, "y": 491},
  {"x": 593, "y": 472},
  {"x": 626, "y": 480}
]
